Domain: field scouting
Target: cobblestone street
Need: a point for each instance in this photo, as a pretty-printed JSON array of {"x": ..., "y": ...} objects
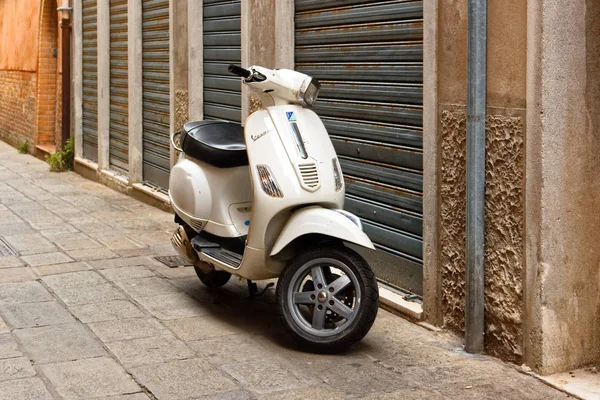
[{"x": 86, "y": 311}]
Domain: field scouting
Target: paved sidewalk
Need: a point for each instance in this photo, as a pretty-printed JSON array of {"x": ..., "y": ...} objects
[{"x": 87, "y": 312}]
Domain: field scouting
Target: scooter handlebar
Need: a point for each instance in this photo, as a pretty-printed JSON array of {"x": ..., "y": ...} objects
[{"x": 239, "y": 71}]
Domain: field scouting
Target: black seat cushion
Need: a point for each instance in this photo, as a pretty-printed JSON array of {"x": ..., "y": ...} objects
[{"x": 218, "y": 143}]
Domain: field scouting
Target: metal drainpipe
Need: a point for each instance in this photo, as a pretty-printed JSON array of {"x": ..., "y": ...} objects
[{"x": 475, "y": 246}]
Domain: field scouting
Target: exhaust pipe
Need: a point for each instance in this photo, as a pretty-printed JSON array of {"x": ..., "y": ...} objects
[{"x": 183, "y": 245}]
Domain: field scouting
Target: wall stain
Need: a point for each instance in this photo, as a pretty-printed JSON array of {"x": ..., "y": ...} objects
[{"x": 504, "y": 219}]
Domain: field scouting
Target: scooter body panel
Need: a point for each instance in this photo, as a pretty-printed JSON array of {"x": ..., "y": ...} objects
[
  {"x": 217, "y": 200},
  {"x": 305, "y": 177},
  {"x": 324, "y": 222}
]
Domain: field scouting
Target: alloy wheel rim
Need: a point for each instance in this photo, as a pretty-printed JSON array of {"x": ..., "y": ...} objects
[{"x": 332, "y": 305}]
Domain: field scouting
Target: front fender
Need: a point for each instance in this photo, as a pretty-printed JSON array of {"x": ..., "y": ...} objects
[{"x": 322, "y": 221}]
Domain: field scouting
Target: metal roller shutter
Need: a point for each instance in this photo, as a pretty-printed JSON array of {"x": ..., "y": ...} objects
[
  {"x": 222, "y": 46},
  {"x": 119, "y": 145},
  {"x": 90, "y": 80},
  {"x": 368, "y": 57},
  {"x": 155, "y": 79}
]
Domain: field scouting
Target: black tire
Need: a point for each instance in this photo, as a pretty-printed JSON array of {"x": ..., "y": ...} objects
[
  {"x": 360, "y": 324},
  {"x": 213, "y": 278}
]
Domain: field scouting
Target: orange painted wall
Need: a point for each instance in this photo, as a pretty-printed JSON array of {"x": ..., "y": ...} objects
[{"x": 19, "y": 30}]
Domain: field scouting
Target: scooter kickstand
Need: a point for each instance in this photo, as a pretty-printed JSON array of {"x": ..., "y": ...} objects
[{"x": 253, "y": 289}]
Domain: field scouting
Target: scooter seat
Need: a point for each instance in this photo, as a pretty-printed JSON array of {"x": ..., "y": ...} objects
[{"x": 217, "y": 143}]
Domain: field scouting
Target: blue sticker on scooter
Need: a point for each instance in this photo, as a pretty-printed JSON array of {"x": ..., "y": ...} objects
[
  {"x": 290, "y": 116},
  {"x": 247, "y": 223}
]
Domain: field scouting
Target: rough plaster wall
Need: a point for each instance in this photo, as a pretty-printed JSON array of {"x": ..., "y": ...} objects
[
  {"x": 504, "y": 229},
  {"x": 181, "y": 109},
  {"x": 255, "y": 103}
]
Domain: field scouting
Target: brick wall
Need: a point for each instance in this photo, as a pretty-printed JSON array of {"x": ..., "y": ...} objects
[
  {"x": 17, "y": 107},
  {"x": 47, "y": 75}
]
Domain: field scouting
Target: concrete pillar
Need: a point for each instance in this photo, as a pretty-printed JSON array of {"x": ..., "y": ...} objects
[
  {"x": 432, "y": 296},
  {"x": 562, "y": 291},
  {"x": 258, "y": 39},
  {"x": 195, "y": 63},
  {"x": 284, "y": 35},
  {"x": 103, "y": 8},
  {"x": 135, "y": 117},
  {"x": 77, "y": 71},
  {"x": 178, "y": 67}
]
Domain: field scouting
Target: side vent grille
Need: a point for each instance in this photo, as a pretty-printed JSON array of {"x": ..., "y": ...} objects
[
  {"x": 310, "y": 176},
  {"x": 196, "y": 224}
]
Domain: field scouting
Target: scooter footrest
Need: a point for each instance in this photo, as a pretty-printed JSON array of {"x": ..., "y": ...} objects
[
  {"x": 226, "y": 257},
  {"x": 200, "y": 243}
]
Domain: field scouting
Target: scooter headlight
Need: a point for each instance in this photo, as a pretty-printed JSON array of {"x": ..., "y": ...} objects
[{"x": 309, "y": 91}]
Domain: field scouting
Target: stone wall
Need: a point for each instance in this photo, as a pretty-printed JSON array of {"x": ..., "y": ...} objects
[{"x": 17, "y": 107}]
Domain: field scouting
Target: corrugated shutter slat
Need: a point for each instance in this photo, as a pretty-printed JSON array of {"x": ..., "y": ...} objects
[
  {"x": 90, "y": 80},
  {"x": 119, "y": 142},
  {"x": 368, "y": 56},
  {"x": 156, "y": 92},
  {"x": 222, "y": 46}
]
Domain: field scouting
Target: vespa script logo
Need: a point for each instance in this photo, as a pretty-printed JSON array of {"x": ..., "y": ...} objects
[{"x": 256, "y": 137}]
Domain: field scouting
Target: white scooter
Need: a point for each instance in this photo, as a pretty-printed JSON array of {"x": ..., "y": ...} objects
[{"x": 266, "y": 202}]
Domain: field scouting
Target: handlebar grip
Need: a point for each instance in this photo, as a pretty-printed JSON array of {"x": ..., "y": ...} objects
[{"x": 239, "y": 71}]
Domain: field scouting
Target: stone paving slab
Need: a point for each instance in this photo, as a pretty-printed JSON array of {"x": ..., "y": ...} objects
[
  {"x": 54, "y": 269},
  {"x": 87, "y": 312},
  {"x": 150, "y": 350},
  {"x": 147, "y": 287},
  {"x": 10, "y": 262},
  {"x": 127, "y": 329},
  {"x": 126, "y": 273},
  {"x": 15, "y": 368},
  {"x": 179, "y": 379},
  {"x": 266, "y": 375},
  {"x": 8, "y": 346},
  {"x": 122, "y": 262},
  {"x": 30, "y": 315},
  {"x": 23, "y": 292},
  {"x": 94, "y": 377},
  {"x": 3, "y": 327},
  {"x": 112, "y": 310},
  {"x": 26, "y": 389},
  {"x": 89, "y": 294},
  {"x": 74, "y": 280},
  {"x": 18, "y": 274},
  {"x": 174, "y": 306},
  {"x": 59, "y": 343},
  {"x": 196, "y": 328},
  {"x": 47, "y": 259},
  {"x": 99, "y": 253}
]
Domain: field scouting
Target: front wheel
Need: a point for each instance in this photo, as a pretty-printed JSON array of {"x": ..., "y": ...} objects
[{"x": 328, "y": 299}]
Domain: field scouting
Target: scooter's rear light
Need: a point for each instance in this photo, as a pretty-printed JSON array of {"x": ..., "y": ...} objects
[
  {"x": 337, "y": 175},
  {"x": 267, "y": 181}
]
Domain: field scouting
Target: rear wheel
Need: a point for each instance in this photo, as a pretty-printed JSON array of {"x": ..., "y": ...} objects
[
  {"x": 213, "y": 278},
  {"x": 328, "y": 299}
]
